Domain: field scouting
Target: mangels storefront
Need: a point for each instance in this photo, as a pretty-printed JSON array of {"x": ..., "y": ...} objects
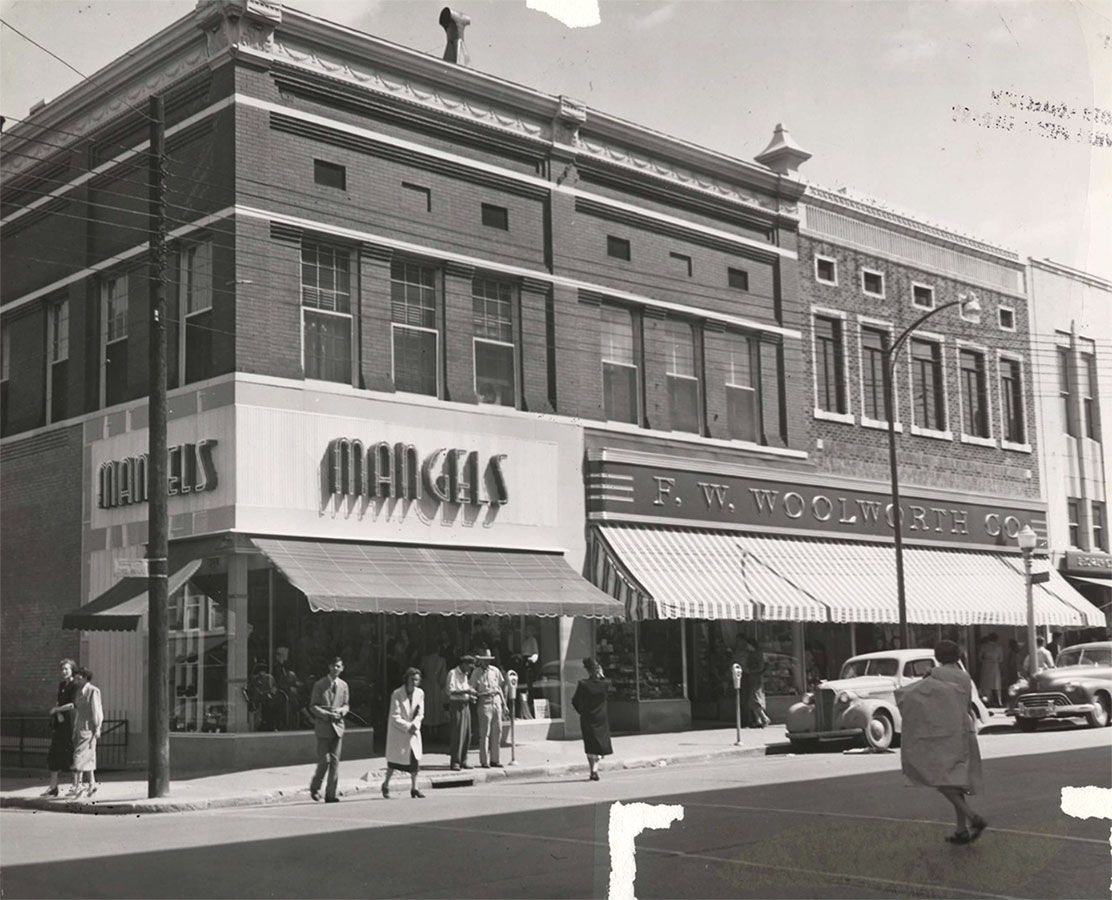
[
  {"x": 705, "y": 553},
  {"x": 308, "y": 524}
]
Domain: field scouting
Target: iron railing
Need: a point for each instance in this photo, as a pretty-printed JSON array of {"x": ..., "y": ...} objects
[{"x": 25, "y": 742}]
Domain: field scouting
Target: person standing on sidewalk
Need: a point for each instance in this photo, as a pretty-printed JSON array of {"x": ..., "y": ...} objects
[
  {"x": 489, "y": 684},
  {"x": 329, "y": 705},
  {"x": 594, "y": 722},
  {"x": 991, "y": 658},
  {"x": 403, "y": 732},
  {"x": 939, "y": 741},
  {"x": 60, "y": 755},
  {"x": 460, "y": 698},
  {"x": 88, "y": 717}
]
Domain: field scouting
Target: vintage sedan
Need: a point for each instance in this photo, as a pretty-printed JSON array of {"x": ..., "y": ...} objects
[
  {"x": 861, "y": 703},
  {"x": 1079, "y": 686}
]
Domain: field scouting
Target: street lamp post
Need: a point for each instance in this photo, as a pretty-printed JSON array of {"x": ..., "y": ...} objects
[
  {"x": 1027, "y": 541},
  {"x": 972, "y": 309}
]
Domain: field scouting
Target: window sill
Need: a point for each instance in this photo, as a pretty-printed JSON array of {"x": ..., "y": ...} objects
[
  {"x": 880, "y": 424},
  {"x": 978, "y": 441},
  {"x": 826, "y": 415},
  {"x": 1015, "y": 448},
  {"x": 931, "y": 433}
]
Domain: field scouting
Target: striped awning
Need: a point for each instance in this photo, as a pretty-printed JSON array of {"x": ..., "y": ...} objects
[
  {"x": 664, "y": 573},
  {"x": 684, "y": 573},
  {"x": 123, "y": 606}
]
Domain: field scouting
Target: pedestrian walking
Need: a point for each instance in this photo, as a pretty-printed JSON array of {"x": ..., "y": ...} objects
[
  {"x": 991, "y": 658},
  {"x": 403, "y": 732},
  {"x": 589, "y": 701},
  {"x": 329, "y": 704},
  {"x": 460, "y": 698},
  {"x": 939, "y": 740},
  {"x": 489, "y": 685},
  {"x": 88, "y": 717},
  {"x": 60, "y": 755}
]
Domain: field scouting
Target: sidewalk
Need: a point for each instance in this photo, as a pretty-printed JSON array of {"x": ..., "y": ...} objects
[{"x": 125, "y": 793}]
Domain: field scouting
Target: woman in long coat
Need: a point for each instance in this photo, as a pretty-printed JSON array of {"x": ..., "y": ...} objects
[
  {"x": 60, "y": 755},
  {"x": 88, "y": 716},
  {"x": 590, "y": 702},
  {"x": 939, "y": 740},
  {"x": 403, "y": 732}
]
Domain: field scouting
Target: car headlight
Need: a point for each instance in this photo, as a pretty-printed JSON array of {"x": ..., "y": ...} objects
[
  {"x": 809, "y": 699},
  {"x": 1020, "y": 685},
  {"x": 1071, "y": 687},
  {"x": 846, "y": 696}
]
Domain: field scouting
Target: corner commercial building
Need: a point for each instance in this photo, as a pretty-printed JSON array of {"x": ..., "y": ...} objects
[{"x": 432, "y": 333}]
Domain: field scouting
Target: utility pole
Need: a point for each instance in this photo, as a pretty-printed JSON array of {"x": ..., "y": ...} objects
[{"x": 158, "y": 706}]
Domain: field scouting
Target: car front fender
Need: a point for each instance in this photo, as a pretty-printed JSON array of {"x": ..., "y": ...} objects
[
  {"x": 860, "y": 712},
  {"x": 800, "y": 719}
]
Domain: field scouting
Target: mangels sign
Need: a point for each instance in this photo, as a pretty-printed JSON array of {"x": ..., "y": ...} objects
[
  {"x": 190, "y": 470},
  {"x": 398, "y": 471}
]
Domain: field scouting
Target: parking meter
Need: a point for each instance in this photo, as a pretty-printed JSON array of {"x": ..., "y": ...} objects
[
  {"x": 511, "y": 678},
  {"x": 511, "y": 690},
  {"x": 735, "y": 674}
]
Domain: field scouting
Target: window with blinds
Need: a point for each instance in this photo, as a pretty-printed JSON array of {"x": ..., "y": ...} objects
[
  {"x": 495, "y": 349},
  {"x": 326, "y": 312},
  {"x": 414, "y": 314},
  {"x": 619, "y": 366}
]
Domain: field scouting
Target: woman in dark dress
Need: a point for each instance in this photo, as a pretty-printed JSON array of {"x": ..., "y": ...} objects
[
  {"x": 60, "y": 756},
  {"x": 590, "y": 702}
]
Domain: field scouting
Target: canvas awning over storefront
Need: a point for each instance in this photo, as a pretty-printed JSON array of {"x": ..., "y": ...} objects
[
  {"x": 340, "y": 576},
  {"x": 664, "y": 573},
  {"x": 685, "y": 573},
  {"x": 122, "y": 606}
]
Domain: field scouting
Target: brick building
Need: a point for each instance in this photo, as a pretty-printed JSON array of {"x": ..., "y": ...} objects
[{"x": 439, "y": 344}]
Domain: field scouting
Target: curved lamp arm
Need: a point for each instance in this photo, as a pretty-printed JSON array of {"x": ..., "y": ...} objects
[{"x": 969, "y": 305}]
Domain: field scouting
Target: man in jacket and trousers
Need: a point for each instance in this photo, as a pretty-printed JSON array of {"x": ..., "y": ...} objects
[{"x": 329, "y": 705}]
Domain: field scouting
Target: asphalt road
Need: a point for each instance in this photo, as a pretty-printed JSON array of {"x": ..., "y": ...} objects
[{"x": 817, "y": 825}]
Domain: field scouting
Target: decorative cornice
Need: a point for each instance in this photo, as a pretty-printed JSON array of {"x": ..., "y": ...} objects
[{"x": 874, "y": 210}]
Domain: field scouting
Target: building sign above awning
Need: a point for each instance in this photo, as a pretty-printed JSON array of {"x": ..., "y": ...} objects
[
  {"x": 635, "y": 492},
  {"x": 1087, "y": 562}
]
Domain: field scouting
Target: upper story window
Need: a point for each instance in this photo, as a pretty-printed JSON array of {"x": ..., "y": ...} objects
[
  {"x": 683, "y": 380},
  {"x": 872, "y": 283},
  {"x": 743, "y": 406},
  {"x": 195, "y": 303},
  {"x": 496, "y": 217},
  {"x": 826, "y": 270},
  {"x": 928, "y": 397},
  {"x": 415, "y": 318},
  {"x": 1065, "y": 392},
  {"x": 5, "y": 373},
  {"x": 329, "y": 174},
  {"x": 1100, "y": 531},
  {"x": 874, "y": 346},
  {"x": 1073, "y": 521},
  {"x": 620, "y": 385},
  {"x": 57, "y": 360},
  {"x": 114, "y": 324},
  {"x": 974, "y": 393},
  {"x": 1087, "y": 388},
  {"x": 495, "y": 348},
  {"x": 1011, "y": 401},
  {"x": 922, "y": 295},
  {"x": 618, "y": 248},
  {"x": 738, "y": 278},
  {"x": 1006, "y": 317},
  {"x": 326, "y": 311},
  {"x": 830, "y": 366}
]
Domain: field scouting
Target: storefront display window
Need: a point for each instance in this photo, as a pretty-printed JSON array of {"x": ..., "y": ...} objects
[
  {"x": 198, "y": 647},
  {"x": 643, "y": 660}
]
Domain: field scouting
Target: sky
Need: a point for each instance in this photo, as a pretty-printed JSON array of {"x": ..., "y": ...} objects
[{"x": 993, "y": 119}]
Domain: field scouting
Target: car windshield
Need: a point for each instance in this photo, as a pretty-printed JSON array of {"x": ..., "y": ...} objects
[
  {"x": 855, "y": 668},
  {"x": 1085, "y": 656}
]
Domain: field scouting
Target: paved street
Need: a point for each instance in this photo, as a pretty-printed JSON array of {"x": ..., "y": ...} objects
[{"x": 819, "y": 825}]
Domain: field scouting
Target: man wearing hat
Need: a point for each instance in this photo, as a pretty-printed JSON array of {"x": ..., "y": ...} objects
[
  {"x": 460, "y": 697},
  {"x": 489, "y": 685}
]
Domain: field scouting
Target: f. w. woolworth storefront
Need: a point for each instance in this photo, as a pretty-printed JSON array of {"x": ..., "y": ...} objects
[
  {"x": 306, "y": 524},
  {"x": 704, "y": 552}
]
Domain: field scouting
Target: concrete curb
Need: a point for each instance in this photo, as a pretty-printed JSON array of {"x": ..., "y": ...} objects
[{"x": 366, "y": 784}]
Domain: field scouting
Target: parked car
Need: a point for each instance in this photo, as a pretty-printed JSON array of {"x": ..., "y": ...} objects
[
  {"x": 1079, "y": 685},
  {"x": 861, "y": 703}
]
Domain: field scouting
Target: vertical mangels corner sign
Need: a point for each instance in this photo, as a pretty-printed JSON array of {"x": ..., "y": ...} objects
[
  {"x": 398, "y": 471},
  {"x": 190, "y": 470},
  {"x": 645, "y": 493}
]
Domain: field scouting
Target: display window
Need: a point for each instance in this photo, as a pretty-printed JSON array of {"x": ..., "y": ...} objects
[
  {"x": 642, "y": 660},
  {"x": 198, "y": 671}
]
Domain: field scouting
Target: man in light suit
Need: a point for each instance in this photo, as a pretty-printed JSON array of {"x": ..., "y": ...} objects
[{"x": 329, "y": 705}]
